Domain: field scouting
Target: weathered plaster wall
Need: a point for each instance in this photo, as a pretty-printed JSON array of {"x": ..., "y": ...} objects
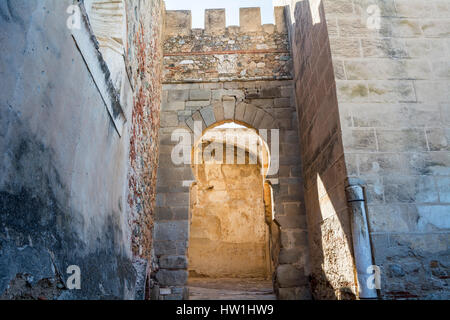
[
  {"x": 64, "y": 165},
  {"x": 392, "y": 93},
  {"x": 228, "y": 230},
  {"x": 59, "y": 207},
  {"x": 259, "y": 104}
]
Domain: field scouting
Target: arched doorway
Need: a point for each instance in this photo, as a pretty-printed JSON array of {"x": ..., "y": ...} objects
[
  {"x": 183, "y": 118},
  {"x": 232, "y": 235}
]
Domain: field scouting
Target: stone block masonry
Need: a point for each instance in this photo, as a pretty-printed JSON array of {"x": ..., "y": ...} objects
[
  {"x": 240, "y": 74},
  {"x": 258, "y": 104},
  {"x": 324, "y": 174},
  {"x": 393, "y": 83},
  {"x": 385, "y": 64}
]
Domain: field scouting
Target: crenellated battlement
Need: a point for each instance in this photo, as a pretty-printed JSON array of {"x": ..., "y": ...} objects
[
  {"x": 179, "y": 22},
  {"x": 250, "y": 51}
]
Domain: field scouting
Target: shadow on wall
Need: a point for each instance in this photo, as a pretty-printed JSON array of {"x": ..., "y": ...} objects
[{"x": 333, "y": 273}]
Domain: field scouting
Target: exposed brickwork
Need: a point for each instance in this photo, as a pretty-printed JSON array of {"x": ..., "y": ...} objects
[{"x": 144, "y": 63}]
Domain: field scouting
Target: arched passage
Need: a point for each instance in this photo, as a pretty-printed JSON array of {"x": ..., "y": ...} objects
[
  {"x": 231, "y": 212},
  {"x": 189, "y": 111}
]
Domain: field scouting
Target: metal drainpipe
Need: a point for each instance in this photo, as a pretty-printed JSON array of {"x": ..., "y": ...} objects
[{"x": 361, "y": 240}]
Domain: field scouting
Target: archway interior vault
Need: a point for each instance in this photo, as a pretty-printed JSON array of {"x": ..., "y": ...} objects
[{"x": 231, "y": 212}]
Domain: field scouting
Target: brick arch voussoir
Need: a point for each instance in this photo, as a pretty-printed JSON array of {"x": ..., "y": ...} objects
[{"x": 242, "y": 113}]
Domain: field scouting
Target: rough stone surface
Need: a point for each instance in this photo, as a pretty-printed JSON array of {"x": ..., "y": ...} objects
[
  {"x": 225, "y": 53},
  {"x": 173, "y": 262},
  {"x": 167, "y": 277},
  {"x": 230, "y": 289},
  {"x": 259, "y": 104},
  {"x": 210, "y": 98},
  {"x": 145, "y": 70},
  {"x": 396, "y": 62},
  {"x": 290, "y": 276},
  {"x": 322, "y": 156}
]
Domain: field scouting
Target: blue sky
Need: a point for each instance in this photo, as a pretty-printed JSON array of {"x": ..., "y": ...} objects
[{"x": 232, "y": 8}]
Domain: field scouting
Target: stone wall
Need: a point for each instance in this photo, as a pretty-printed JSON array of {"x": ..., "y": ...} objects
[
  {"x": 259, "y": 104},
  {"x": 228, "y": 231},
  {"x": 218, "y": 53},
  {"x": 324, "y": 171},
  {"x": 65, "y": 140},
  {"x": 392, "y": 94},
  {"x": 144, "y": 68}
]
